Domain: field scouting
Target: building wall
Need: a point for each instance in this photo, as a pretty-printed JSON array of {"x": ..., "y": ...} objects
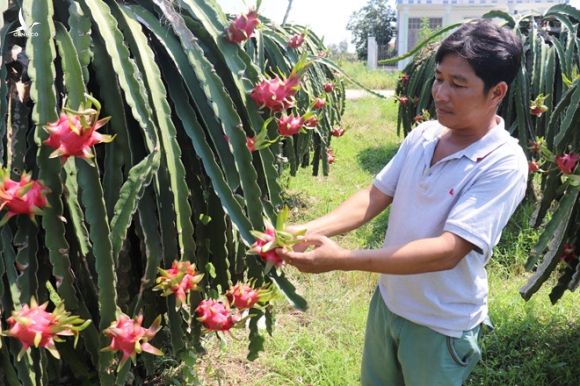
[{"x": 454, "y": 11}]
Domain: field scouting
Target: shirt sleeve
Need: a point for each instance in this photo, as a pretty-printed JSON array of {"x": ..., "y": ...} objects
[
  {"x": 386, "y": 180},
  {"x": 483, "y": 210}
]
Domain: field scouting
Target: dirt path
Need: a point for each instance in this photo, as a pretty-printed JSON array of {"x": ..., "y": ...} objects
[{"x": 356, "y": 94}]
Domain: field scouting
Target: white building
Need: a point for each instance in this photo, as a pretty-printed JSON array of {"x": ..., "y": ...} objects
[{"x": 442, "y": 13}]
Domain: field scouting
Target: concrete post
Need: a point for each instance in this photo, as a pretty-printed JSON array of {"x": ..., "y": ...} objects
[
  {"x": 403, "y": 34},
  {"x": 372, "y": 53}
]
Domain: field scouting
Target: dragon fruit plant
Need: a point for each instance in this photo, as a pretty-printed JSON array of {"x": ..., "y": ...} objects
[{"x": 190, "y": 173}]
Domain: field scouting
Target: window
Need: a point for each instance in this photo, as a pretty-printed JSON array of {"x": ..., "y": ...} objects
[{"x": 415, "y": 28}]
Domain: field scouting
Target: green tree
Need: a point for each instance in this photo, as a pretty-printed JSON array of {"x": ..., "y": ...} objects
[{"x": 377, "y": 19}]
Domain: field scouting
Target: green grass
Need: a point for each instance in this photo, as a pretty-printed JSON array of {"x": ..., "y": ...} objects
[
  {"x": 378, "y": 79},
  {"x": 533, "y": 343}
]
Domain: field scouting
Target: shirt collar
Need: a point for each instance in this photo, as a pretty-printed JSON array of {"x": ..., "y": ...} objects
[{"x": 480, "y": 149}]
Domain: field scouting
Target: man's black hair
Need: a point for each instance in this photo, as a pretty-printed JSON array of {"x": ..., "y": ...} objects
[{"x": 493, "y": 52}]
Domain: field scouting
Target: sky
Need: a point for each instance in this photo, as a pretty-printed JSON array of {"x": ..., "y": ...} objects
[{"x": 327, "y": 18}]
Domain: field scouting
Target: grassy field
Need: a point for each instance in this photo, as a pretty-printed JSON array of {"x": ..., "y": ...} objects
[
  {"x": 533, "y": 344},
  {"x": 379, "y": 79}
]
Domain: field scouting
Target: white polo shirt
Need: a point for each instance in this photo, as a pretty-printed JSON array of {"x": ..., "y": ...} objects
[{"x": 471, "y": 193}]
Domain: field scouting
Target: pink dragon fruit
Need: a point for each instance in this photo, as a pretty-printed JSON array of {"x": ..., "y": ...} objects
[
  {"x": 296, "y": 41},
  {"x": 26, "y": 197},
  {"x": 533, "y": 166},
  {"x": 311, "y": 122},
  {"x": 567, "y": 162},
  {"x": 536, "y": 146},
  {"x": 215, "y": 316},
  {"x": 537, "y": 106},
  {"x": 330, "y": 156},
  {"x": 568, "y": 253},
  {"x": 404, "y": 78},
  {"x": 538, "y": 111},
  {"x": 242, "y": 27},
  {"x": 276, "y": 94},
  {"x": 319, "y": 103},
  {"x": 403, "y": 100},
  {"x": 131, "y": 338},
  {"x": 263, "y": 246},
  {"x": 337, "y": 132},
  {"x": 251, "y": 144},
  {"x": 242, "y": 296},
  {"x": 328, "y": 86},
  {"x": 70, "y": 137},
  {"x": 179, "y": 280},
  {"x": 34, "y": 326},
  {"x": 288, "y": 125}
]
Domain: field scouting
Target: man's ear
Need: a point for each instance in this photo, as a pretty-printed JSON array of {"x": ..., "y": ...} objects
[{"x": 498, "y": 92}]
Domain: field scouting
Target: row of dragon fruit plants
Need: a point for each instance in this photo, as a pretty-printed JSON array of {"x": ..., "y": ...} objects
[
  {"x": 175, "y": 192},
  {"x": 541, "y": 110}
]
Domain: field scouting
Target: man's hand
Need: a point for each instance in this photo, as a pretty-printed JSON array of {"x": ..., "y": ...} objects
[
  {"x": 326, "y": 255},
  {"x": 298, "y": 229}
]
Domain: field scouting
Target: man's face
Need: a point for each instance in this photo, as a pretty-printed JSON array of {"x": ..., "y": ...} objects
[{"x": 458, "y": 94}]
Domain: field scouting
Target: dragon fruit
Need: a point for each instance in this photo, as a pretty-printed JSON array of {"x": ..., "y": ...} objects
[
  {"x": 276, "y": 94},
  {"x": 131, "y": 338},
  {"x": 403, "y": 100},
  {"x": 311, "y": 121},
  {"x": 34, "y": 326},
  {"x": 568, "y": 253},
  {"x": 328, "y": 86},
  {"x": 242, "y": 27},
  {"x": 296, "y": 40},
  {"x": 242, "y": 296},
  {"x": 404, "y": 78},
  {"x": 264, "y": 245},
  {"x": 330, "y": 156},
  {"x": 251, "y": 143},
  {"x": 215, "y": 316},
  {"x": 537, "y": 145},
  {"x": 337, "y": 132},
  {"x": 533, "y": 166},
  {"x": 319, "y": 103},
  {"x": 288, "y": 125},
  {"x": 179, "y": 280},
  {"x": 26, "y": 197},
  {"x": 567, "y": 162},
  {"x": 275, "y": 237},
  {"x": 537, "y": 106},
  {"x": 74, "y": 135}
]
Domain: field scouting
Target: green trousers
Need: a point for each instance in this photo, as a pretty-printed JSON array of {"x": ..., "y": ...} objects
[{"x": 398, "y": 352}]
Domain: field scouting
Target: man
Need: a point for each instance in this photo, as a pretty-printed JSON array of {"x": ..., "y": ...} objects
[{"x": 452, "y": 187}]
